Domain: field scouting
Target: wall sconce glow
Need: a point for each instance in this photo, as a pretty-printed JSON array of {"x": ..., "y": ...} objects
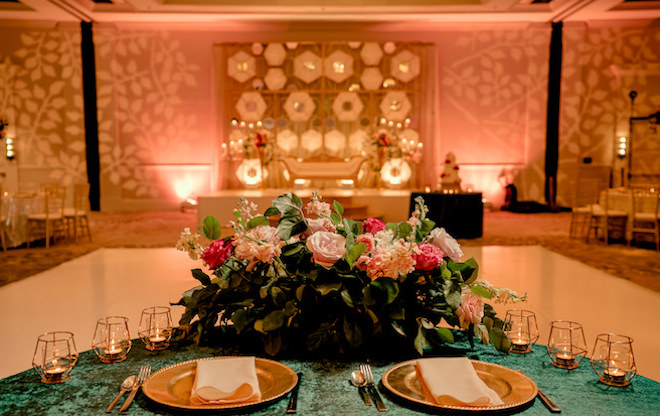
[
  {"x": 622, "y": 147},
  {"x": 183, "y": 188},
  {"x": 10, "y": 150}
]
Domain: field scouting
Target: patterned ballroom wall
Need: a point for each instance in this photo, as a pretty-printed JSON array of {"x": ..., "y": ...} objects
[
  {"x": 492, "y": 112},
  {"x": 601, "y": 65},
  {"x": 41, "y": 98}
]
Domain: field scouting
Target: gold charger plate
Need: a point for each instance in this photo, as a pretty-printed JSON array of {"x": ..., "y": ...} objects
[
  {"x": 514, "y": 388},
  {"x": 171, "y": 386}
]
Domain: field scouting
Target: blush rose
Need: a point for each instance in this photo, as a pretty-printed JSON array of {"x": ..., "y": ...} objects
[{"x": 326, "y": 247}]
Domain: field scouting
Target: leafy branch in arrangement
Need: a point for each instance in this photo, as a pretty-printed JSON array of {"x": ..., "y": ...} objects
[{"x": 318, "y": 281}]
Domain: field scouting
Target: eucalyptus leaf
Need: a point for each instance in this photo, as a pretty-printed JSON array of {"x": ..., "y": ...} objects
[
  {"x": 201, "y": 276},
  {"x": 211, "y": 228},
  {"x": 354, "y": 253},
  {"x": 271, "y": 212},
  {"x": 480, "y": 291},
  {"x": 273, "y": 321},
  {"x": 338, "y": 208},
  {"x": 290, "y": 226},
  {"x": 288, "y": 204},
  {"x": 255, "y": 221},
  {"x": 445, "y": 334}
]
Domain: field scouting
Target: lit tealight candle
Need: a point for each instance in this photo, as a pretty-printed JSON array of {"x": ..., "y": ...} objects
[
  {"x": 519, "y": 345},
  {"x": 565, "y": 359},
  {"x": 157, "y": 341},
  {"x": 614, "y": 374},
  {"x": 55, "y": 373}
]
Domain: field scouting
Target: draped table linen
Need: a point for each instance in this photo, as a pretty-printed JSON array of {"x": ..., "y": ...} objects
[{"x": 325, "y": 389}]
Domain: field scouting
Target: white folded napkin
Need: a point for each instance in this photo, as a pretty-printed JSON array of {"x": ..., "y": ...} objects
[
  {"x": 227, "y": 380},
  {"x": 453, "y": 381}
]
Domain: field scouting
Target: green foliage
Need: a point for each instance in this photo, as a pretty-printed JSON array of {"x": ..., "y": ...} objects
[
  {"x": 295, "y": 303},
  {"x": 210, "y": 228}
]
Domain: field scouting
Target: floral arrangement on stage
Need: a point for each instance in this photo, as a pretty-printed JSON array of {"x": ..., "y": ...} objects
[
  {"x": 390, "y": 145},
  {"x": 251, "y": 141},
  {"x": 319, "y": 282}
]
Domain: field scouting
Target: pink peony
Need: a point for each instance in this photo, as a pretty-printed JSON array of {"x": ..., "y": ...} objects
[
  {"x": 216, "y": 254},
  {"x": 326, "y": 248},
  {"x": 428, "y": 258},
  {"x": 471, "y": 309},
  {"x": 372, "y": 225},
  {"x": 260, "y": 244}
]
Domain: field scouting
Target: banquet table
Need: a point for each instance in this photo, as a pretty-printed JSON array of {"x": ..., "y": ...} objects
[
  {"x": 619, "y": 199},
  {"x": 325, "y": 387},
  {"x": 17, "y": 207}
]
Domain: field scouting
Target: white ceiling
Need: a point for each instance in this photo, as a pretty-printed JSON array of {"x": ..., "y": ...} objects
[{"x": 456, "y": 11}]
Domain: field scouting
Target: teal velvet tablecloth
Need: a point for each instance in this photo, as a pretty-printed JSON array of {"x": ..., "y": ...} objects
[{"x": 325, "y": 389}]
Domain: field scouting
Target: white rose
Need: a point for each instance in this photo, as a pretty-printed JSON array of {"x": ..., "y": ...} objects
[
  {"x": 441, "y": 239},
  {"x": 326, "y": 247}
]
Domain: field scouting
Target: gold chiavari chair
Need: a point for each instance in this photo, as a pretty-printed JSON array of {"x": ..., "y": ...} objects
[
  {"x": 77, "y": 216},
  {"x": 645, "y": 214},
  {"x": 603, "y": 218},
  {"x": 48, "y": 219},
  {"x": 584, "y": 196},
  {"x": 3, "y": 223}
]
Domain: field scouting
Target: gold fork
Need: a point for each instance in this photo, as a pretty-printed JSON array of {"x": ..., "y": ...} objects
[
  {"x": 145, "y": 371},
  {"x": 366, "y": 369}
]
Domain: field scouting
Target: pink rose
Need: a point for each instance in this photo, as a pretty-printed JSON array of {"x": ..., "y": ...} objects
[
  {"x": 441, "y": 239},
  {"x": 326, "y": 248},
  {"x": 471, "y": 309},
  {"x": 318, "y": 224},
  {"x": 428, "y": 258},
  {"x": 216, "y": 254},
  {"x": 372, "y": 225},
  {"x": 367, "y": 240}
]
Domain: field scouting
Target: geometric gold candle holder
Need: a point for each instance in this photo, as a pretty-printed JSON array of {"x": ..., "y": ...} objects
[
  {"x": 156, "y": 328},
  {"x": 566, "y": 344},
  {"x": 613, "y": 359},
  {"x": 55, "y": 355},
  {"x": 112, "y": 340},
  {"x": 521, "y": 329}
]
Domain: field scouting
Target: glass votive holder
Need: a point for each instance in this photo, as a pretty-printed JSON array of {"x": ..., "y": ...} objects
[
  {"x": 112, "y": 340},
  {"x": 156, "y": 327},
  {"x": 566, "y": 344},
  {"x": 521, "y": 328},
  {"x": 55, "y": 356},
  {"x": 613, "y": 359}
]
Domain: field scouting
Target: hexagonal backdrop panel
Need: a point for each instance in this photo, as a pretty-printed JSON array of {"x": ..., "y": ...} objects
[
  {"x": 395, "y": 106},
  {"x": 338, "y": 66},
  {"x": 335, "y": 142},
  {"x": 275, "y": 79},
  {"x": 251, "y": 106},
  {"x": 241, "y": 66},
  {"x": 405, "y": 66},
  {"x": 347, "y": 106},
  {"x": 287, "y": 141},
  {"x": 307, "y": 66},
  {"x": 371, "y": 53},
  {"x": 311, "y": 141},
  {"x": 275, "y": 54},
  {"x": 299, "y": 106},
  {"x": 371, "y": 78}
]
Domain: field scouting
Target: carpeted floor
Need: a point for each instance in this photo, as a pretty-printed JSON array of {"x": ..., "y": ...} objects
[{"x": 161, "y": 229}]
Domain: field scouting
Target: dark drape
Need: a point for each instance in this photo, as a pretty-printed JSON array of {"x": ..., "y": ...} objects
[
  {"x": 552, "y": 120},
  {"x": 91, "y": 121}
]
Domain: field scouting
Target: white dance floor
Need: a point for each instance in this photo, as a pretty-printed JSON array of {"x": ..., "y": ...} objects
[{"x": 122, "y": 282}]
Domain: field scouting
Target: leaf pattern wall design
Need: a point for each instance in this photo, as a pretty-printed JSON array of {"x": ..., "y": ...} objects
[
  {"x": 601, "y": 65},
  {"x": 44, "y": 98},
  {"x": 493, "y": 101},
  {"x": 142, "y": 80}
]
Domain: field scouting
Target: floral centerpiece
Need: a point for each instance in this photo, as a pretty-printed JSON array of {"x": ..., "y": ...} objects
[{"x": 319, "y": 282}]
